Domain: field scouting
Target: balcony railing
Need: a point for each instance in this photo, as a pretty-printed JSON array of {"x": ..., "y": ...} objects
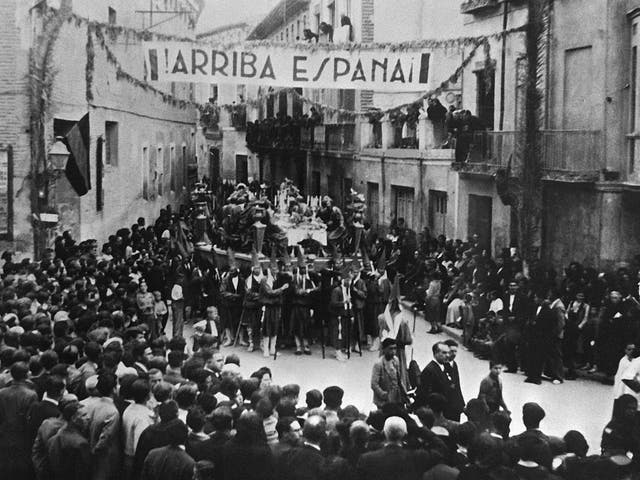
[
  {"x": 340, "y": 136},
  {"x": 239, "y": 116},
  {"x": 320, "y": 137},
  {"x": 571, "y": 150},
  {"x": 495, "y": 148},
  {"x": 475, "y": 6},
  {"x": 575, "y": 153}
]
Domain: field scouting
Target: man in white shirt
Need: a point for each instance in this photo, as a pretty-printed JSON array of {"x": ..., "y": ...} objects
[
  {"x": 135, "y": 419},
  {"x": 628, "y": 368}
]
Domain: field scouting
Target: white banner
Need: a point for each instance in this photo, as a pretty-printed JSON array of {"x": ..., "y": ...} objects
[{"x": 282, "y": 66}]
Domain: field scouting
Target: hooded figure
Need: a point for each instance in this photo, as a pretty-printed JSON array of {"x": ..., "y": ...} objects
[{"x": 394, "y": 325}]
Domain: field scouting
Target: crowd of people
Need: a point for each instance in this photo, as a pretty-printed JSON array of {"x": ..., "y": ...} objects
[{"x": 93, "y": 386}]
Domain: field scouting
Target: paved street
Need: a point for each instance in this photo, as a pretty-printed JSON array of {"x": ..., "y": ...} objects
[{"x": 581, "y": 405}]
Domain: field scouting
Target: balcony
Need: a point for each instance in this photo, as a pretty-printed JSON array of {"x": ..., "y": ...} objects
[
  {"x": 477, "y": 6},
  {"x": 269, "y": 135},
  {"x": 491, "y": 151},
  {"x": 340, "y": 136},
  {"x": 239, "y": 116},
  {"x": 571, "y": 155},
  {"x": 567, "y": 155}
]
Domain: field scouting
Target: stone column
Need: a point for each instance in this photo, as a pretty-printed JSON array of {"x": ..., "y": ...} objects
[
  {"x": 426, "y": 133},
  {"x": 387, "y": 133},
  {"x": 366, "y": 135},
  {"x": 611, "y": 228}
]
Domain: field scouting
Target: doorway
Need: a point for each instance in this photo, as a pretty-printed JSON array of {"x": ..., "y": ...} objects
[{"x": 480, "y": 218}]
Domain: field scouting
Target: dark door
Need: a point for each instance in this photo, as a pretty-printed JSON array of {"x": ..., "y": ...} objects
[
  {"x": 480, "y": 215},
  {"x": 404, "y": 200},
  {"x": 297, "y": 103},
  {"x": 242, "y": 172},
  {"x": 485, "y": 83},
  {"x": 214, "y": 165},
  {"x": 282, "y": 104},
  {"x": 437, "y": 212},
  {"x": 373, "y": 203}
]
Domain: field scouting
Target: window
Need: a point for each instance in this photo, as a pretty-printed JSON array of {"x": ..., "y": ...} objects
[
  {"x": 331, "y": 14},
  {"x": 145, "y": 173},
  {"x": 287, "y": 34},
  {"x": 437, "y": 212},
  {"x": 304, "y": 21},
  {"x": 403, "y": 200},
  {"x": 347, "y": 185},
  {"x": 373, "y": 202},
  {"x": 158, "y": 173},
  {"x": 183, "y": 165},
  {"x": 172, "y": 169},
  {"x": 213, "y": 92},
  {"x": 298, "y": 28},
  {"x": 111, "y": 143},
  {"x": 347, "y": 8},
  {"x": 112, "y": 16},
  {"x": 242, "y": 172},
  {"x": 315, "y": 183},
  {"x": 99, "y": 174},
  {"x": 317, "y": 22}
]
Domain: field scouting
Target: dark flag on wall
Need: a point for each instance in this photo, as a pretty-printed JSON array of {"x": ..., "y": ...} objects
[{"x": 77, "y": 170}]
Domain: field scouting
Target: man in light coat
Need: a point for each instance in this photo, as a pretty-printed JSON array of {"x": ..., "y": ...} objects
[{"x": 386, "y": 379}]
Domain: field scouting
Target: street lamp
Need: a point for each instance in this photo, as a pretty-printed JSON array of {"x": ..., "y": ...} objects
[{"x": 58, "y": 155}]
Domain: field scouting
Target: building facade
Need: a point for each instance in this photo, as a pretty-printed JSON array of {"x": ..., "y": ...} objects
[
  {"x": 588, "y": 137},
  {"x": 143, "y": 142}
]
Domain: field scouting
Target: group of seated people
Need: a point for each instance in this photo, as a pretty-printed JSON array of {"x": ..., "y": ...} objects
[{"x": 586, "y": 317}]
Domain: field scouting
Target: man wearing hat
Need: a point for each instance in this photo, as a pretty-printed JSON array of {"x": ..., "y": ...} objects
[
  {"x": 340, "y": 309},
  {"x": 386, "y": 379},
  {"x": 302, "y": 301},
  {"x": 252, "y": 306},
  {"x": 378, "y": 293},
  {"x": 232, "y": 293},
  {"x": 358, "y": 291},
  {"x": 272, "y": 290}
]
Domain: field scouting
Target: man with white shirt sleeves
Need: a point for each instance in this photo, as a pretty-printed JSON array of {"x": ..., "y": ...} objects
[
  {"x": 339, "y": 307},
  {"x": 136, "y": 417},
  {"x": 177, "y": 307},
  {"x": 232, "y": 291}
]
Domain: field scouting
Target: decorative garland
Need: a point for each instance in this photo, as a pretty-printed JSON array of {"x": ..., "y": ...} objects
[
  {"x": 90, "y": 66},
  {"x": 122, "y": 74},
  {"x": 101, "y": 30},
  {"x": 115, "y": 31},
  {"x": 417, "y": 102}
]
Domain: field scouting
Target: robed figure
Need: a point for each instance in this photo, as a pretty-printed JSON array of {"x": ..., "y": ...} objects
[{"x": 394, "y": 325}]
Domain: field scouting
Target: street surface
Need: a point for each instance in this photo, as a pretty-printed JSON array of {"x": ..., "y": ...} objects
[{"x": 581, "y": 405}]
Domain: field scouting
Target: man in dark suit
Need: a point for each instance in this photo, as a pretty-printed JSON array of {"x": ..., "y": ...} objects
[
  {"x": 532, "y": 415},
  {"x": 537, "y": 334},
  {"x": 394, "y": 460},
  {"x": 340, "y": 308},
  {"x": 47, "y": 407},
  {"x": 458, "y": 404},
  {"x": 15, "y": 442},
  {"x": 516, "y": 307},
  {"x": 305, "y": 462},
  {"x": 358, "y": 299},
  {"x": 170, "y": 462},
  {"x": 232, "y": 291},
  {"x": 69, "y": 451},
  {"x": 437, "y": 378},
  {"x": 155, "y": 436}
]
